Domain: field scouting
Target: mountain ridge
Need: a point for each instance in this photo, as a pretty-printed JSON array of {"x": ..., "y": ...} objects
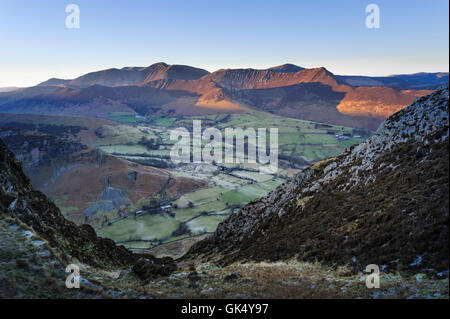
[{"x": 312, "y": 94}]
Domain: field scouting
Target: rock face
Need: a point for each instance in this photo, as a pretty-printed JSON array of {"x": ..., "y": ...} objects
[
  {"x": 384, "y": 201},
  {"x": 21, "y": 203},
  {"x": 36, "y": 149}
]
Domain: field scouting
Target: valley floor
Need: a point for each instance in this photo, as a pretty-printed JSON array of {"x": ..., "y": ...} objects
[{"x": 128, "y": 163}]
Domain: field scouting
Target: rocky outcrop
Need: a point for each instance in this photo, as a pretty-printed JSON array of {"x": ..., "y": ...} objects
[
  {"x": 36, "y": 149},
  {"x": 19, "y": 201},
  {"x": 384, "y": 201}
]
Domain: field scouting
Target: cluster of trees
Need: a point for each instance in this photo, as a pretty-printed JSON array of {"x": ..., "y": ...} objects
[
  {"x": 52, "y": 129},
  {"x": 151, "y": 144}
]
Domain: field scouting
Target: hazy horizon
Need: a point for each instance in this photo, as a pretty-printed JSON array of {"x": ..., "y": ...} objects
[
  {"x": 412, "y": 38},
  {"x": 211, "y": 71}
]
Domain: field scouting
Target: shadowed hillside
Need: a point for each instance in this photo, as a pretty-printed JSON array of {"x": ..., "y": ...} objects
[
  {"x": 89, "y": 186},
  {"x": 384, "y": 201},
  {"x": 311, "y": 94}
]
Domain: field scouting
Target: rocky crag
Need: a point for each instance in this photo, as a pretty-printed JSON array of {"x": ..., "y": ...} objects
[
  {"x": 384, "y": 201},
  {"x": 27, "y": 211}
]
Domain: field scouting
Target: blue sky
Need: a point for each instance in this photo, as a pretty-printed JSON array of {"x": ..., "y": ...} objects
[{"x": 36, "y": 45}]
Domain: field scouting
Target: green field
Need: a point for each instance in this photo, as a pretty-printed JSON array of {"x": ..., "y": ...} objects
[
  {"x": 202, "y": 210},
  {"x": 147, "y": 227},
  {"x": 205, "y": 224},
  {"x": 185, "y": 214},
  {"x": 205, "y": 195},
  {"x": 313, "y": 141},
  {"x": 164, "y": 121},
  {"x": 123, "y": 117},
  {"x": 295, "y": 137}
]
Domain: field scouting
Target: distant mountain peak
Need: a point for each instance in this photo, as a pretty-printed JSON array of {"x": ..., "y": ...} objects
[
  {"x": 54, "y": 82},
  {"x": 162, "y": 64},
  {"x": 157, "y": 66},
  {"x": 164, "y": 71},
  {"x": 286, "y": 68}
]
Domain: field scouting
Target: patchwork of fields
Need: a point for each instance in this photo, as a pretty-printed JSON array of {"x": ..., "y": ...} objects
[
  {"x": 195, "y": 210},
  {"x": 230, "y": 186},
  {"x": 298, "y": 138}
]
